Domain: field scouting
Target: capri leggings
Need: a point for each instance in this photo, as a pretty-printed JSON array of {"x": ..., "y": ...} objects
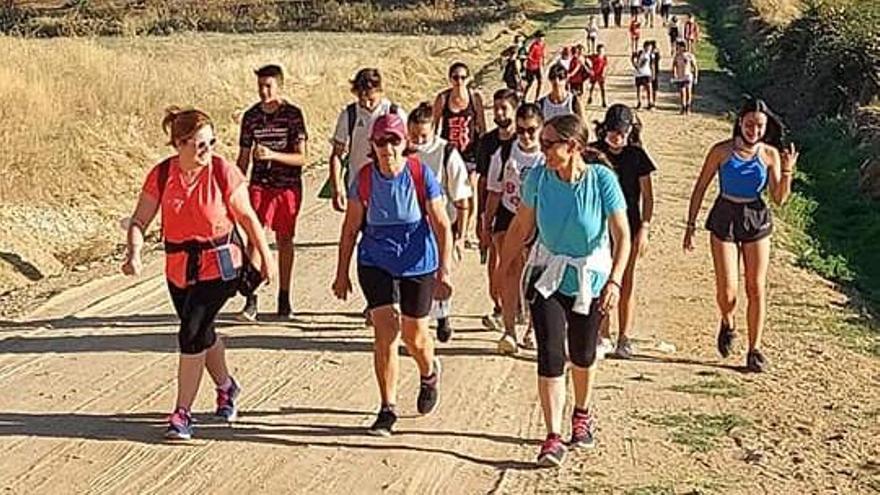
[
  {"x": 197, "y": 306},
  {"x": 554, "y": 321}
]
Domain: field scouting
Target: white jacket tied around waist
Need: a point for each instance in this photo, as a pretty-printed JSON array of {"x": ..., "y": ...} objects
[{"x": 554, "y": 266}]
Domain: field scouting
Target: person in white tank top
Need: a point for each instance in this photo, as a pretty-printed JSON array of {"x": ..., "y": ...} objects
[{"x": 560, "y": 101}]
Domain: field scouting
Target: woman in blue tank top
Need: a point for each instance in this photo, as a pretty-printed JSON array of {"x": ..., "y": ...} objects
[{"x": 740, "y": 220}]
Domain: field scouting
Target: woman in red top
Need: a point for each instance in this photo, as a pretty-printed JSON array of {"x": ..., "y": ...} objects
[
  {"x": 598, "y": 64},
  {"x": 635, "y": 33},
  {"x": 577, "y": 71},
  {"x": 202, "y": 198}
]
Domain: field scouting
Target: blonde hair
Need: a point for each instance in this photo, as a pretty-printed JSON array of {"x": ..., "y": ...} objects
[{"x": 183, "y": 123}]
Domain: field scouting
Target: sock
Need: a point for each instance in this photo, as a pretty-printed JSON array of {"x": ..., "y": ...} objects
[
  {"x": 225, "y": 386},
  {"x": 284, "y": 297},
  {"x": 581, "y": 412},
  {"x": 387, "y": 407}
]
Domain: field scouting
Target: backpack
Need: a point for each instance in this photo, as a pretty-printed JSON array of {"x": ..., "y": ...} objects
[
  {"x": 506, "y": 150},
  {"x": 416, "y": 171},
  {"x": 351, "y": 113}
]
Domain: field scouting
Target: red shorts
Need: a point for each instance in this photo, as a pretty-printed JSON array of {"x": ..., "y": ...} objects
[{"x": 277, "y": 209}]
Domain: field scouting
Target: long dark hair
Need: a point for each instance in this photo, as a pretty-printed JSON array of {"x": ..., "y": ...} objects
[
  {"x": 635, "y": 134},
  {"x": 774, "y": 134}
]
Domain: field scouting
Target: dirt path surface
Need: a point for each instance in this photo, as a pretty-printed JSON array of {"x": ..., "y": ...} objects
[{"x": 90, "y": 376}]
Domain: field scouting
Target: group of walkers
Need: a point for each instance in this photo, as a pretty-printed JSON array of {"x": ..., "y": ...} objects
[{"x": 560, "y": 219}]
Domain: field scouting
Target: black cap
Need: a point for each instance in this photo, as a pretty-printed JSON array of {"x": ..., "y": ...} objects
[{"x": 619, "y": 117}]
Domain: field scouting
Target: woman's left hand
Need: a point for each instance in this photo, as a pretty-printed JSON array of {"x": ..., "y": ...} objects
[
  {"x": 609, "y": 298},
  {"x": 443, "y": 285},
  {"x": 789, "y": 159}
]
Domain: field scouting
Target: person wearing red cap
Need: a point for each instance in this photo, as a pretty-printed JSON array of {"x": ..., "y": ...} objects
[{"x": 404, "y": 259}]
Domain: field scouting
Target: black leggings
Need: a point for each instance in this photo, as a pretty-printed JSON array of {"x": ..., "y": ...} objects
[
  {"x": 554, "y": 320},
  {"x": 197, "y": 306}
]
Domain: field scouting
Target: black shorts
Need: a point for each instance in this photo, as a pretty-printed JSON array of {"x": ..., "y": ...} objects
[
  {"x": 664, "y": 10},
  {"x": 533, "y": 75},
  {"x": 414, "y": 295},
  {"x": 731, "y": 221},
  {"x": 197, "y": 307},
  {"x": 642, "y": 81},
  {"x": 503, "y": 218},
  {"x": 634, "y": 11}
]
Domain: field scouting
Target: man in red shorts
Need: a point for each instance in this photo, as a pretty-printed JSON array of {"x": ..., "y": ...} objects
[
  {"x": 598, "y": 65},
  {"x": 273, "y": 136}
]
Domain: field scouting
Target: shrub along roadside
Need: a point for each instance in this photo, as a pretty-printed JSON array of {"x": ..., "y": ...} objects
[{"x": 815, "y": 72}]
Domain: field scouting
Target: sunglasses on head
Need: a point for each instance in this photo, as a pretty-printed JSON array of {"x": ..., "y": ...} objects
[
  {"x": 392, "y": 139},
  {"x": 531, "y": 131}
]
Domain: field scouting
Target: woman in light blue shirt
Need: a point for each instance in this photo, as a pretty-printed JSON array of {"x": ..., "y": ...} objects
[{"x": 573, "y": 276}]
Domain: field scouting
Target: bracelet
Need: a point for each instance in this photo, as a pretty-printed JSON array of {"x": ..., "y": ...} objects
[{"x": 611, "y": 281}]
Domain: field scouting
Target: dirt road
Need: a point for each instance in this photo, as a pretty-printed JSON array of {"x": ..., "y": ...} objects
[{"x": 89, "y": 378}]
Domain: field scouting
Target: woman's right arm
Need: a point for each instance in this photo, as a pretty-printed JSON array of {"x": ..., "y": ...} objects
[
  {"x": 144, "y": 212},
  {"x": 710, "y": 168},
  {"x": 240, "y": 204},
  {"x": 354, "y": 215}
]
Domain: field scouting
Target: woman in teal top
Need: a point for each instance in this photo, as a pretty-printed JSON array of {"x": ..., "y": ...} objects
[
  {"x": 752, "y": 161},
  {"x": 573, "y": 279}
]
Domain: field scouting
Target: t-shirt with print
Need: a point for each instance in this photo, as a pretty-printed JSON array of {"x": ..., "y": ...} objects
[
  {"x": 490, "y": 144},
  {"x": 359, "y": 144},
  {"x": 631, "y": 164},
  {"x": 536, "y": 55},
  {"x": 396, "y": 236},
  {"x": 572, "y": 217},
  {"x": 509, "y": 182},
  {"x": 453, "y": 177},
  {"x": 281, "y": 131},
  {"x": 196, "y": 211}
]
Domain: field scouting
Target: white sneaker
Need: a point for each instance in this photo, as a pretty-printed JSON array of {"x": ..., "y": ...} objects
[
  {"x": 507, "y": 345},
  {"x": 605, "y": 347}
]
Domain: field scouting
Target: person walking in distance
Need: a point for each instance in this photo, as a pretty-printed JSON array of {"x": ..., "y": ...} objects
[
  {"x": 559, "y": 101},
  {"x": 273, "y": 137},
  {"x": 499, "y": 140},
  {"x": 617, "y": 7},
  {"x": 685, "y": 74},
  {"x": 535, "y": 65},
  {"x": 605, "y": 8},
  {"x": 460, "y": 118},
  {"x": 619, "y": 139},
  {"x": 740, "y": 223},
  {"x": 573, "y": 278},
  {"x": 644, "y": 75},
  {"x": 674, "y": 35},
  {"x": 504, "y": 184},
  {"x": 396, "y": 218},
  {"x": 351, "y": 138},
  {"x": 598, "y": 66},
  {"x": 635, "y": 33},
  {"x": 201, "y": 198},
  {"x": 445, "y": 161},
  {"x": 691, "y": 33},
  {"x": 592, "y": 34},
  {"x": 665, "y": 10},
  {"x": 578, "y": 72}
]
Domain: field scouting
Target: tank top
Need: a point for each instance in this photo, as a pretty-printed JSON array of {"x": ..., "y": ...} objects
[
  {"x": 743, "y": 178},
  {"x": 460, "y": 128},
  {"x": 550, "y": 109}
]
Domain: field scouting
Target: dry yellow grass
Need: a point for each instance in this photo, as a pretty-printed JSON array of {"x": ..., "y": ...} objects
[
  {"x": 778, "y": 12},
  {"x": 81, "y": 116}
]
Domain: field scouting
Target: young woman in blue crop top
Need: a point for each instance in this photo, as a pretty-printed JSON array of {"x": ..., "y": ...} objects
[{"x": 740, "y": 220}]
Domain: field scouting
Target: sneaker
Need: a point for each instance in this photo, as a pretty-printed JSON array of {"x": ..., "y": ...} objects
[
  {"x": 384, "y": 423},
  {"x": 604, "y": 348},
  {"x": 493, "y": 321},
  {"x": 507, "y": 345},
  {"x": 583, "y": 430},
  {"x": 528, "y": 340},
  {"x": 444, "y": 331},
  {"x": 249, "y": 312},
  {"x": 552, "y": 451},
  {"x": 429, "y": 390},
  {"x": 756, "y": 362},
  {"x": 368, "y": 318},
  {"x": 624, "y": 349},
  {"x": 285, "y": 311},
  {"x": 726, "y": 336},
  {"x": 226, "y": 399},
  {"x": 180, "y": 425}
]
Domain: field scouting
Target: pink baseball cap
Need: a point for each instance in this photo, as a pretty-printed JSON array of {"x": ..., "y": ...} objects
[{"x": 388, "y": 124}]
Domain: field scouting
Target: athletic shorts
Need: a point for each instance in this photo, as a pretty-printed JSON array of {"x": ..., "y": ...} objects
[
  {"x": 577, "y": 88},
  {"x": 471, "y": 167},
  {"x": 664, "y": 10},
  {"x": 414, "y": 295},
  {"x": 643, "y": 81},
  {"x": 533, "y": 75},
  {"x": 597, "y": 79},
  {"x": 197, "y": 307},
  {"x": 682, "y": 83},
  {"x": 503, "y": 218},
  {"x": 731, "y": 221},
  {"x": 277, "y": 209}
]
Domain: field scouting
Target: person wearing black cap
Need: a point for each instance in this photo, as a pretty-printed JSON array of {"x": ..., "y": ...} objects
[{"x": 619, "y": 138}]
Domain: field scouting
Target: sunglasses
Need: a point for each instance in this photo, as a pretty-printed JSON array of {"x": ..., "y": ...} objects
[
  {"x": 459, "y": 77},
  {"x": 393, "y": 140},
  {"x": 531, "y": 131},
  {"x": 204, "y": 146}
]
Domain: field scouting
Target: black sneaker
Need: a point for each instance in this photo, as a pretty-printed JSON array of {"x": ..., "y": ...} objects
[
  {"x": 429, "y": 390},
  {"x": 384, "y": 423},
  {"x": 726, "y": 336},
  {"x": 756, "y": 362},
  {"x": 285, "y": 311},
  {"x": 249, "y": 312},
  {"x": 444, "y": 331}
]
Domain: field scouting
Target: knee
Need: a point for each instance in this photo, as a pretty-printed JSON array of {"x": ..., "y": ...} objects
[
  {"x": 192, "y": 339},
  {"x": 755, "y": 290},
  {"x": 585, "y": 358},
  {"x": 415, "y": 339},
  {"x": 285, "y": 242},
  {"x": 551, "y": 361}
]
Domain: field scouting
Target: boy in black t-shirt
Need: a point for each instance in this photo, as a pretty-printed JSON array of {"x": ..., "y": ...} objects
[
  {"x": 273, "y": 137},
  {"x": 620, "y": 141}
]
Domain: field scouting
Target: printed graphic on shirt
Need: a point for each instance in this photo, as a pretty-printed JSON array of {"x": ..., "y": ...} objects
[{"x": 281, "y": 131}]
